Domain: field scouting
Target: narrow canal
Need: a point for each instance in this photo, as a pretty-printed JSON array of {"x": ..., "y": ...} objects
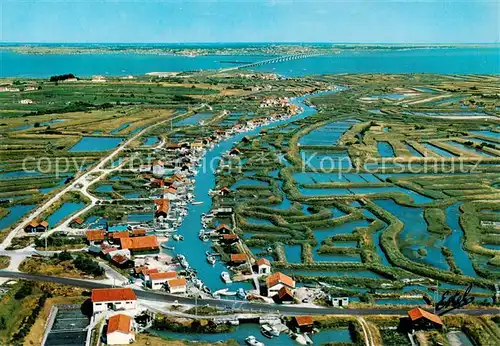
[{"x": 192, "y": 247}]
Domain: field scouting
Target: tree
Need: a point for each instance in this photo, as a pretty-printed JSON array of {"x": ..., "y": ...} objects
[{"x": 3, "y": 324}]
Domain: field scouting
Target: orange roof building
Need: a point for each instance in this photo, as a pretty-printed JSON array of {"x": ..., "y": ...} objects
[
  {"x": 177, "y": 285},
  {"x": 162, "y": 207},
  {"x": 119, "y": 331},
  {"x": 120, "y": 322},
  {"x": 238, "y": 258},
  {"x": 163, "y": 276},
  {"x": 303, "y": 323},
  {"x": 119, "y": 235},
  {"x": 138, "y": 244},
  {"x": 276, "y": 281},
  {"x": 95, "y": 235},
  {"x": 423, "y": 318},
  {"x": 223, "y": 228},
  {"x": 285, "y": 295},
  {"x": 104, "y": 299},
  {"x": 263, "y": 266}
]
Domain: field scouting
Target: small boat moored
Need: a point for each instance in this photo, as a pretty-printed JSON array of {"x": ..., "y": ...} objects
[
  {"x": 252, "y": 341},
  {"x": 226, "y": 277}
]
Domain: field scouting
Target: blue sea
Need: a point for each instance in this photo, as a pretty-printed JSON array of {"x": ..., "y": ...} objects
[{"x": 436, "y": 60}]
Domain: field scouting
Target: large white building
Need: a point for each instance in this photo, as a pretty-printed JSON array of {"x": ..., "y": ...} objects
[
  {"x": 104, "y": 299},
  {"x": 120, "y": 330}
]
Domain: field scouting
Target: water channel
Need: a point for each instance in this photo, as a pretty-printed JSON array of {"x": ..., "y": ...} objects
[{"x": 192, "y": 247}]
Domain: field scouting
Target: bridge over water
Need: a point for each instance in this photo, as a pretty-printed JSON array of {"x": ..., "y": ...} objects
[{"x": 270, "y": 61}]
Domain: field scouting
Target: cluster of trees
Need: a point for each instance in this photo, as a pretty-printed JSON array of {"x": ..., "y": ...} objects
[
  {"x": 81, "y": 262},
  {"x": 58, "y": 241},
  {"x": 62, "y": 77}
]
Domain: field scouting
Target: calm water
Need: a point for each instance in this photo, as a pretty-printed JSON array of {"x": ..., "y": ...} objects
[
  {"x": 15, "y": 213},
  {"x": 245, "y": 330},
  {"x": 65, "y": 211},
  {"x": 96, "y": 144},
  {"x": 444, "y": 61}
]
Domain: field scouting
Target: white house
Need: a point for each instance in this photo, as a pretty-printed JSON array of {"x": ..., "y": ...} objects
[
  {"x": 340, "y": 301},
  {"x": 104, "y": 299},
  {"x": 263, "y": 266},
  {"x": 177, "y": 285},
  {"x": 158, "y": 280},
  {"x": 276, "y": 281},
  {"x": 119, "y": 330},
  {"x": 159, "y": 168},
  {"x": 98, "y": 79}
]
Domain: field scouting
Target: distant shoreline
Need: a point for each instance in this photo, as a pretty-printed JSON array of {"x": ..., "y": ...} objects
[{"x": 192, "y": 50}]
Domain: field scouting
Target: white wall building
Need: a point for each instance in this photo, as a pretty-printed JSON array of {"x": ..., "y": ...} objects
[
  {"x": 104, "y": 299},
  {"x": 157, "y": 280}
]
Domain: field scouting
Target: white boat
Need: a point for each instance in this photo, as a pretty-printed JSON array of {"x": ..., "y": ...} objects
[
  {"x": 197, "y": 203},
  {"x": 269, "y": 331},
  {"x": 211, "y": 259},
  {"x": 226, "y": 277},
  {"x": 252, "y": 341}
]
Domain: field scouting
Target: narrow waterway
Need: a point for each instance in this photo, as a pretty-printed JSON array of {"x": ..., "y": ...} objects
[{"x": 192, "y": 247}]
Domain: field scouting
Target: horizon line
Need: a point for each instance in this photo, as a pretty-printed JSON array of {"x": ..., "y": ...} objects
[{"x": 255, "y": 42}]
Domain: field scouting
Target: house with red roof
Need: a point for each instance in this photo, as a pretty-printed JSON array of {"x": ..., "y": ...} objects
[
  {"x": 263, "y": 266},
  {"x": 120, "y": 330},
  {"x": 157, "y": 280},
  {"x": 136, "y": 245},
  {"x": 276, "y": 281},
  {"x": 422, "y": 319},
  {"x": 104, "y": 299}
]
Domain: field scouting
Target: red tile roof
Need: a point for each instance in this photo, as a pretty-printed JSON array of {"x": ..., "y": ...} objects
[
  {"x": 230, "y": 236},
  {"x": 119, "y": 235},
  {"x": 119, "y": 323},
  {"x": 149, "y": 242},
  {"x": 284, "y": 291},
  {"x": 95, "y": 235},
  {"x": 223, "y": 226},
  {"x": 280, "y": 278},
  {"x": 238, "y": 257},
  {"x": 418, "y": 313},
  {"x": 177, "y": 282},
  {"x": 120, "y": 259},
  {"x": 77, "y": 220},
  {"x": 163, "y": 205},
  {"x": 163, "y": 276},
  {"x": 112, "y": 294},
  {"x": 303, "y": 320},
  {"x": 138, "y": 232},
  {"x": 263, "y": 261}
]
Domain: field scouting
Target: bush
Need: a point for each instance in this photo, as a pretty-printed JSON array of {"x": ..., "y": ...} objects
[
  {"x": 25, "y": 290},
  {"x": 88, "y": 265}
]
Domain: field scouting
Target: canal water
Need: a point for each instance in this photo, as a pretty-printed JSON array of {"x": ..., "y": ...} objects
[
  {"x": 192, "y": 247},
  {"x": 96, "y": 144},
  {"x": 245, "y": 330}
]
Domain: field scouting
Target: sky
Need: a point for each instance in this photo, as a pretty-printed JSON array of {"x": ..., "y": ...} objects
[{"x": 169, "y": 21}]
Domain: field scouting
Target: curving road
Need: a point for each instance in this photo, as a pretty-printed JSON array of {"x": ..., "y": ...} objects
[{"x": 239, "y": 305}]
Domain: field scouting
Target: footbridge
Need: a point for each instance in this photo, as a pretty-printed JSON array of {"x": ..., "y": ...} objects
[{"x": 271, "y": 61}]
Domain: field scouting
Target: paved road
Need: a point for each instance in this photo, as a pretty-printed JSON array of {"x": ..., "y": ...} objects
[{"x": 238, "y": 305}]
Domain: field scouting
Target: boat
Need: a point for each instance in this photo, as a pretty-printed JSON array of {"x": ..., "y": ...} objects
[
  {"x": 211, "y": 259},
  {"x": 267, "y": 329},
  {"x": 178, "y": 237},
  {"x": 197, "y": 203},
  {"x": 204, "y": 238},
  {"x": 241, "y": 293},
  {"x": 252, "y": 341},
  {"x": 226, "y": 277},
  {"x": 165, "y": 246}
]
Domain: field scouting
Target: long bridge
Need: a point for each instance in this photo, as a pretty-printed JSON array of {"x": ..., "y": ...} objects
[{"x": 271, "y": 61}]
